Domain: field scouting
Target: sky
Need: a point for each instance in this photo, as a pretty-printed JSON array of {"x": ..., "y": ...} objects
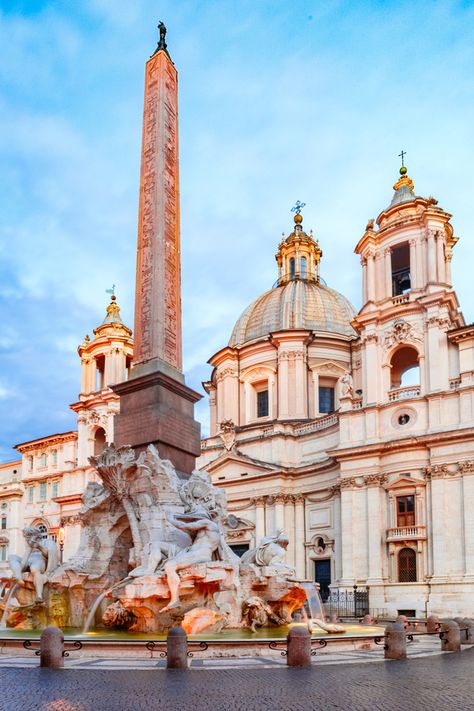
[{"x": 279, "y": 101}]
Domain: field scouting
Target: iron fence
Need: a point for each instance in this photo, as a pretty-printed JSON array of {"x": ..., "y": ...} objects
[{"x": 348, "y": 603}]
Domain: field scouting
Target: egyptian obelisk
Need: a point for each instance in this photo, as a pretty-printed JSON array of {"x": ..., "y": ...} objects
[{"x": 156, "y": 407}]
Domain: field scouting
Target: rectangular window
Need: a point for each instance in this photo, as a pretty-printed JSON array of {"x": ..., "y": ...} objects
[
  {"x": 31, "y": 494},
  {"x": 405, "y": 511},
  {"x": 326, "y": 399},
  {"x": 30, "y": 463},
  {"x": 4, "y": 523},
  {"x": 3, "y": 552},
  {"x": 43, "y": 490},
  {"x": 55, "y": 456},
  {"x": 262, "y": 403},
  {"x": 54, "y": 491},
  {"x": 42, "y": 460}
]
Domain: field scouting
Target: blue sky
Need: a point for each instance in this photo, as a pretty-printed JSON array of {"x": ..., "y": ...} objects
[{"x": 279, "y": 101}]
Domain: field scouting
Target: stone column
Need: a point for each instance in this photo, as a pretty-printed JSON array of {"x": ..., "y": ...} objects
[
  {"x": 431, "y": 255},
  {"x": 301, "y": 385},
  {"x": 375, "y": 523},
  {"x": 347, "y": 534},
  {"x": 363, "y": 262},
  {"x": 419, "y": 262},
  {"x": 370, "y": 277},
  {"x": 290, "y": 528},
  {"x": 316, "y": 392},
  {"x": 440, "y": 258},
  {"x": 259, "y": 518},
  {"x": 283, "y": 403},
  {"x": 300, "y": 536},
  {"x": 388, "y": 273},
  {"x": 280, "y": 511},
  {"x": 467, "y": 469},
  {"x": 413, "y": 265},
  {"x": 371, "y": 369},
  {"x": 438, "y": 524}
]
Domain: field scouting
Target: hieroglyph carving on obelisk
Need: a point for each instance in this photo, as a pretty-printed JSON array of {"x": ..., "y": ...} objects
[{"x": 158, "y": 291}]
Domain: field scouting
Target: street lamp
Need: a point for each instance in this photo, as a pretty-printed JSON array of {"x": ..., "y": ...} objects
[{"x": 61, "y": 540}]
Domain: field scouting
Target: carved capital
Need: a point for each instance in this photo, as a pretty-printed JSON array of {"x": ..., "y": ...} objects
[
  {"x": 347, "y": 483},
  {"x": 375, "y": 479}
]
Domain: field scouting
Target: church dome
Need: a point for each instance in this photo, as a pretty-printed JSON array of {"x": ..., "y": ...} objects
[{"x": 297, "y": 304}]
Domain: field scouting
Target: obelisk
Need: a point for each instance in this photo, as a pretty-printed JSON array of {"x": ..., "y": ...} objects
[{"x": 155, "y": 404}]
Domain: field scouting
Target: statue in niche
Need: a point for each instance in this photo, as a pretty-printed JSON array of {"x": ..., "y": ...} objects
[
  {"x": 347, "y": 385},
  {"x": 41, "y": 559},
  {"x": 270, "y": 553}
]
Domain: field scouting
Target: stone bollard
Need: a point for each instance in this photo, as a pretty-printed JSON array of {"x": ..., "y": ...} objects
[
  {"x": 298, "y": 645},
  {"x": 52, "y": 648},
  {"x": 403, "y": 620},
  {"x": 177, "y": 649},
  {"x": 450, "y": 636},
  {"x": 462, "y": 628},
  {"x": 432, "y": 624},
  {"x": 469, "y": 624},
  {"x": 395, "y": 641}
]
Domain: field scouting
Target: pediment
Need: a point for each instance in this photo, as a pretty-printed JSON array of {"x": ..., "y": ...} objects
[
  {"x": 239, "y": 464},
  {"x": 405, "y": 482}
]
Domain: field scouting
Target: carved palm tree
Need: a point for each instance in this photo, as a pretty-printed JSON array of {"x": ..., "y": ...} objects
[{"x": 116, "y": 468}]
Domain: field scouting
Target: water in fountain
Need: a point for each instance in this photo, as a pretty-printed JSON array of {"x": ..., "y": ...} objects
[
  {"x": 98, "y": 600},
  {"x": 315, "y": 603},
  {"x": 9, "y": 600}
]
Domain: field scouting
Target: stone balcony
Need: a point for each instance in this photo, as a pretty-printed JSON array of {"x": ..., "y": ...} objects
[
  {"x": 406, "y": 533},
  {"x": 404, "y": 393}
]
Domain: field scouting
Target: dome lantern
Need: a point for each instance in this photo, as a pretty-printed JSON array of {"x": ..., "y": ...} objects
[{"x": 298, "y": 255}]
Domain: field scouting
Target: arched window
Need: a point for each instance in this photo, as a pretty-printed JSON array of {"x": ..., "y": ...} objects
[
  {"x": 42, "y": 459},
  {"x": 404, "y": 368},
  {"x": 99, "y": 441},
  {"x": 292, "y": 268},
  {"x": 303, "y": 267},
  {"x": 55, "y": 456},
  {"x": 407, "y": 566}
]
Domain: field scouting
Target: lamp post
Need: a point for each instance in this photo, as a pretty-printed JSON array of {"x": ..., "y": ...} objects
[{"x": 61, "y": 540}]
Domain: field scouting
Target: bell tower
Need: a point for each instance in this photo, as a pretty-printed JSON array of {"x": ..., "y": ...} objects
[
  {"x": 105, "y": 360},
  {"x": 408, "y": 299}
]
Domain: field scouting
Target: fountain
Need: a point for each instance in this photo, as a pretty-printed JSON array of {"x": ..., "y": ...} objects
[{"x": 153, "y": 546}]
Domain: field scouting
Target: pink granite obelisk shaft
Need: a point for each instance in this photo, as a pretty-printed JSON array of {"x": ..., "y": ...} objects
[
  {"x": 158, "y": 289},
  {"x": 156, "y": 406}
]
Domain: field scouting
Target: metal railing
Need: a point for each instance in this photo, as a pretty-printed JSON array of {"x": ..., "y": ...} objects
[{"x": 348, "y": 603}]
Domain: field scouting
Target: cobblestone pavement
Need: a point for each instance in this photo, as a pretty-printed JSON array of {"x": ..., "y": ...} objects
[{"x": 423, "y": 684}]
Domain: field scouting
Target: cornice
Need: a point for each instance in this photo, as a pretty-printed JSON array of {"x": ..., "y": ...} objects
[{"x": 37, "y": 444}]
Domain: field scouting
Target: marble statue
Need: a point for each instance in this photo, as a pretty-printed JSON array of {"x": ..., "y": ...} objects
[
  {"x": 270, "y": 553},
  {"x": 208, "y": 538},
  {"x": 41, "y": 559},
  {"x": 347, "y": 385},
  {"x": 259, "y": 613}
]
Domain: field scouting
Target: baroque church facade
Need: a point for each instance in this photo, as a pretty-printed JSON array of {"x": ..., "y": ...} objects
[{"x": 353, "y": 432}]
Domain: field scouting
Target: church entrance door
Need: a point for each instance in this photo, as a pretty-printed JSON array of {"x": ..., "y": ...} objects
[{"x": 322, "y": 575}]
